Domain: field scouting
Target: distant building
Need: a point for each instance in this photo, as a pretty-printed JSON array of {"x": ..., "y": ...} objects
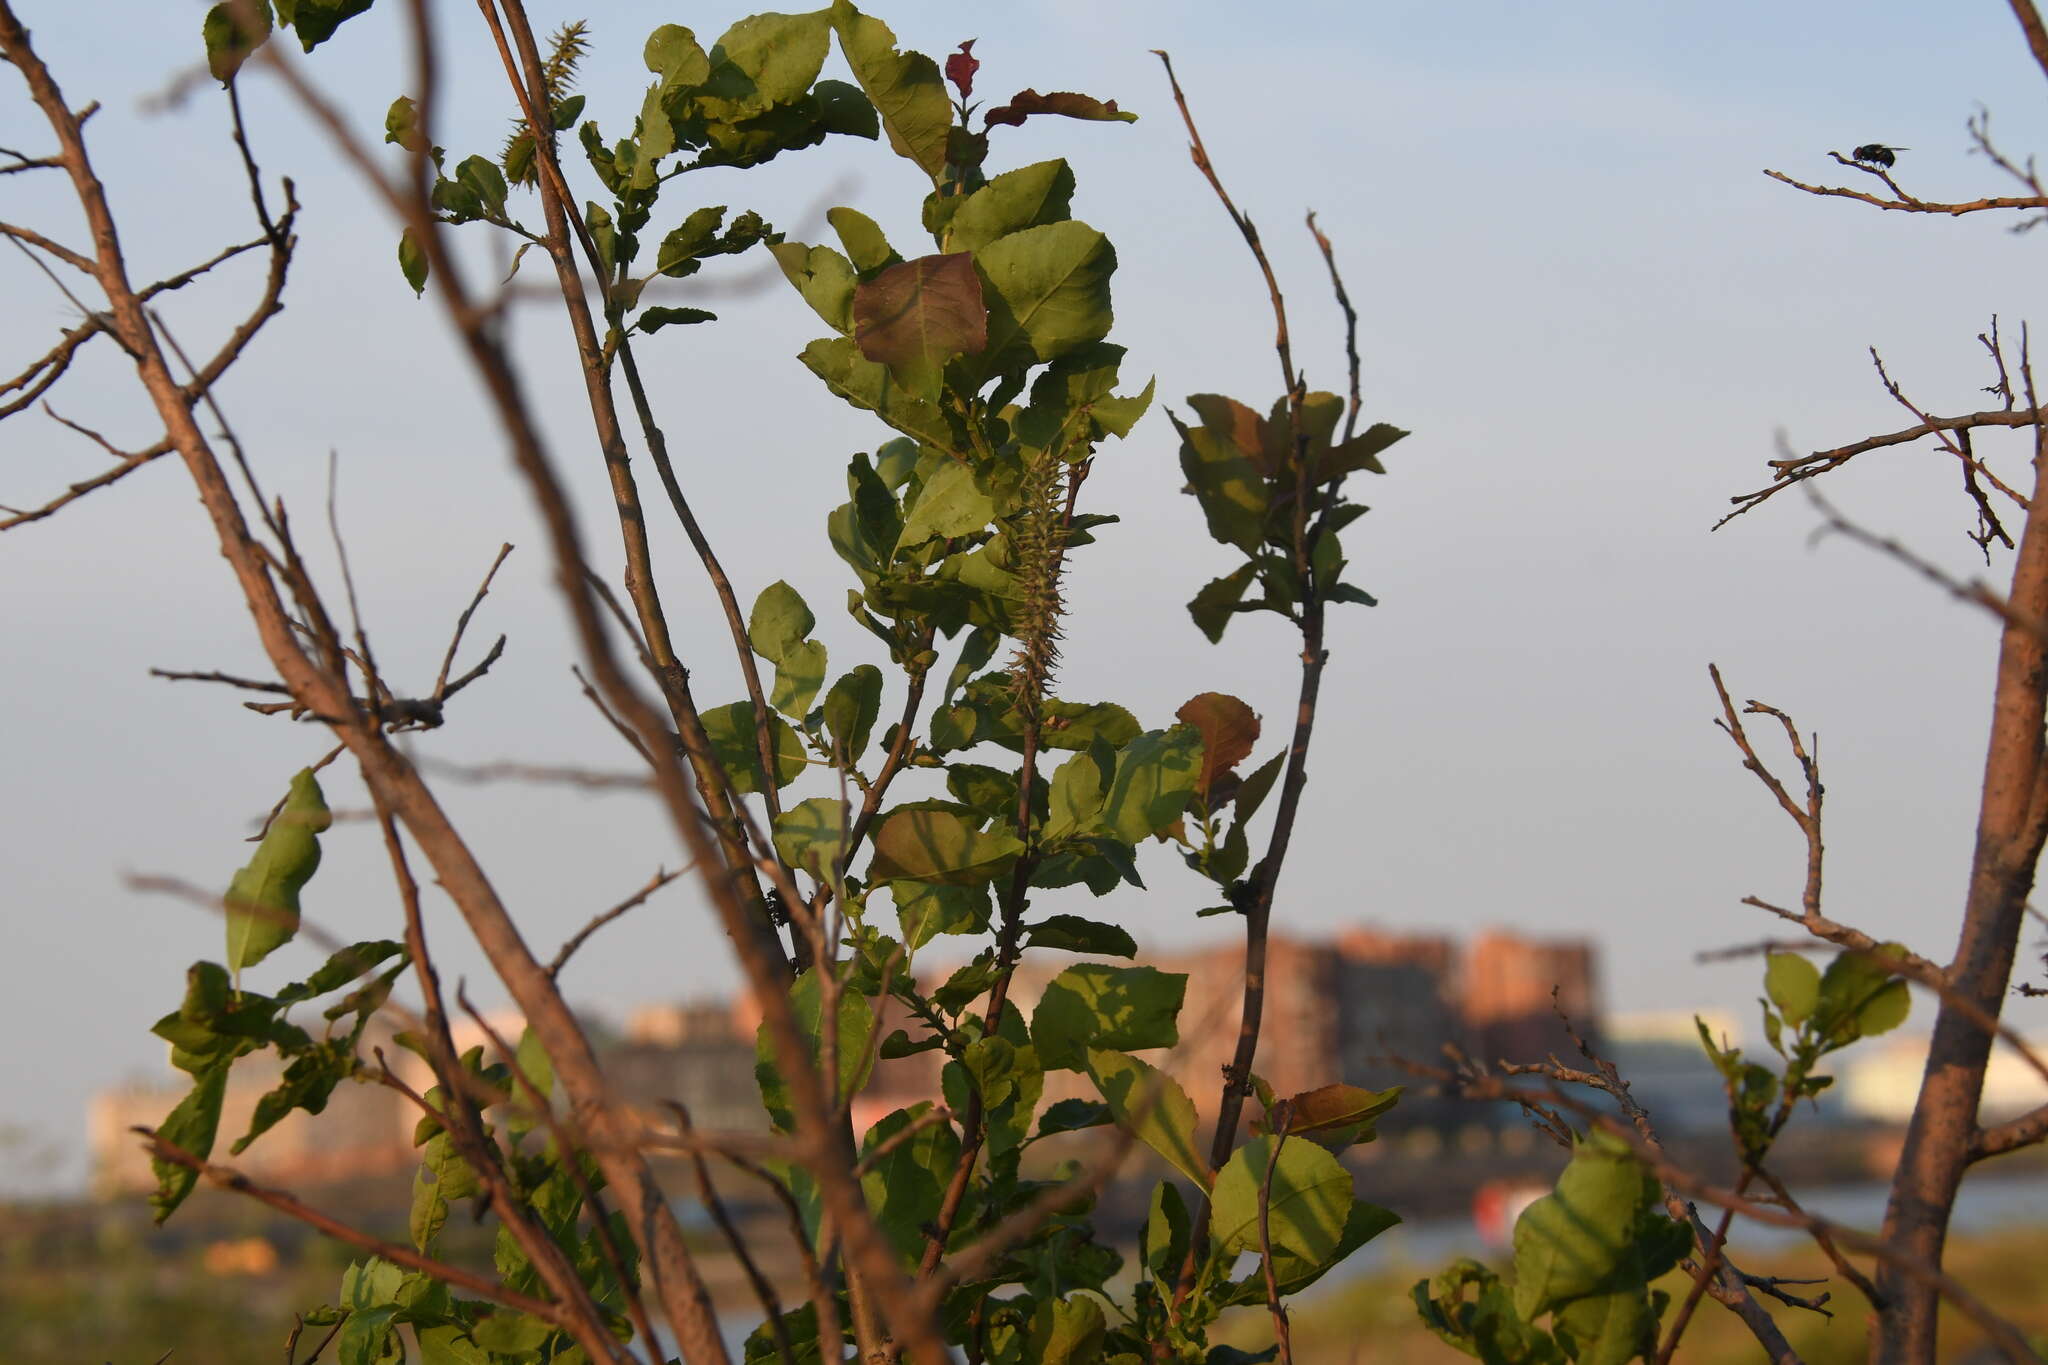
[
  {"x": 1880, "y": 1081},
  {"x": 1349, "y": 1009},
  {"x": 1669, "y": 1073},
  {"x": 1512, "y": 992},
  {"x": 690, "y": 1055}
]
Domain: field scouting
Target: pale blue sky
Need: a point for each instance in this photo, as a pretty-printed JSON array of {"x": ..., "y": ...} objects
[{"x": 1579, "y": 292}]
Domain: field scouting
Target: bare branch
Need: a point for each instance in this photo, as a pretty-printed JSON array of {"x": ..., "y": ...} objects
[
  {"x": 577, "y": 940},
  {"x": 289, "y": 1205}
]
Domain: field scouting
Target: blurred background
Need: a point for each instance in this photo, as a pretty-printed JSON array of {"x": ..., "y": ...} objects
[{"x": 1577, "y": 290}]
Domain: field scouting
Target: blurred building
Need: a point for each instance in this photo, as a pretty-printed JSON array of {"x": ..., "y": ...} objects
[
  {"x": 1880, "y": 1081},
  {"x": 693, "y": 1055},
  {"x": 1669, "y": 1073},
  {"x": 1351, "y": 1008}
]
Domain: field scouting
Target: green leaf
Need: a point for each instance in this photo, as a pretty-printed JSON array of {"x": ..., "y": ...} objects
[
  {"x": 812, "y": 834},
  {"x": 1361, "y": 452},
  {"x": 856, "y": 1028},
  {"x": 1078, "y": 935},
  {"x": 1163, "y": 1244},
  {"x": 507, "y": 1333},
  {"x": 1094, "y": 1005},
  {"x": 1294, "y": 1274},
  {"x": 307, "y": 1084},
  {"x": 346, "y": 965},
  {"x": 477, "y": 192},
  {"x": 1485, "y": 1325},
  {"x": 1156, "y": 774},
  {"x": 652, "y": 320},
  {"x": 443, "y": 1178},
  {"x": 866, "y": 246},
  {"x": 1214, "y": 605},
  {"x": 1047, "y": 291},
  {"x": 869, "y": 385},
  {"x": 1030, "y": 196},
  {"x": 851, "y": 708},
  {"x": 951, "y": 503},
  {"x": 798, "y": 676},
  {"x": 1073, "y": 1115},
  {"x": 1859, "y": 996},
  {"x": 1252, "y": 792},
  {"x": 777, "y": 630},
  {"x": 1067, "y": 1331},
  {"x": 412, "y": 262},
  {"x": 926, "y": 910},
  {"x": 316, "y": 20},
  {"x": 401, "y": 123},
  {"x": 916, "y": 316},
  {"x": 1151, "y": 1106},
  {"x": 449, "y": 1345},
  {"x": 682, "y": 249},
  {"x": 1580, "y": 1239},
  {"x": 1793, "y": 984},
  {"x": 906, "y": 1185},
  {"x": 906, "y": 88},
  {"x": 731, "y": 732},
  {"x": 935, "y": 841},
  {"x": 232, "y": 32},
  {"x": 672, "y": 53},
  {"x": 262, "y": 902},
  {"x": 1233, "y": 494},
  {"x": 363, "y": 1336},
  {"x": 764, "y": 61},
  {"x": 1608, "y": 1329},
  {"x": 824, "y": 278},
  {"x": 1310, "y": 1201},
  {"x": 190, "y": 1127},
  {"x": 1076, "y": 798}
]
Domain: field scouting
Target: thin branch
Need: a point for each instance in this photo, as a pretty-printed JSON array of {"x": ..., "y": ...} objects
[
  {"x": 599, "y": 921},
  {"x": 1350, "y": 323},
  {"x": 1283, "y": 1335},
  {"x": 587, "y": 779},
  {"x": 29, "y": 237},
  {"x": 1905, "y": 203},
  {"x": 569, "y": 1149},
  {"x": 289, "y": 1205},
  {"x": 1790, "y": 469},
  {"x": 749, "y": 1266},
  {"x": 85, "y": 486},
  {"x": 1975, "y": 593},
  {"x": 441, "y": 687}
]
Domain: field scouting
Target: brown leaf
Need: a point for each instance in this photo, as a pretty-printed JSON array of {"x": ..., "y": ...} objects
[
  {"x": 921, "y": 313},
  {"x": 1253, "y": 436},
  {"x": 1066, "y": 103},
  {"x": 1228, "y": 727},
  {"x": 1337, "y": 1106}
]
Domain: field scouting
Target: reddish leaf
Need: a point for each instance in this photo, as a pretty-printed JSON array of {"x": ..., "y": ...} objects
[
  {"x": 1228, "y": 728},
  {"x": 1256, "y": 438},
  {"x": 1066, "y": 103},
  {"x": 960, "y": 68},
  {"x": 916, "y": 316},
  {"x": 1337, "y": 1106}
]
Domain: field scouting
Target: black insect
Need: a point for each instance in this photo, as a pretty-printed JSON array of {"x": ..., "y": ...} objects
[{"x": 1877, "y": 154}]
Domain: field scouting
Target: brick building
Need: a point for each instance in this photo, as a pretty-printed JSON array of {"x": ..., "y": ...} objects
[{"x": 1343, "y": 1009}]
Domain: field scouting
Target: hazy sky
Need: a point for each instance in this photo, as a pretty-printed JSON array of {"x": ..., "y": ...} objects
[{"x": 1579, "y": 292}]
